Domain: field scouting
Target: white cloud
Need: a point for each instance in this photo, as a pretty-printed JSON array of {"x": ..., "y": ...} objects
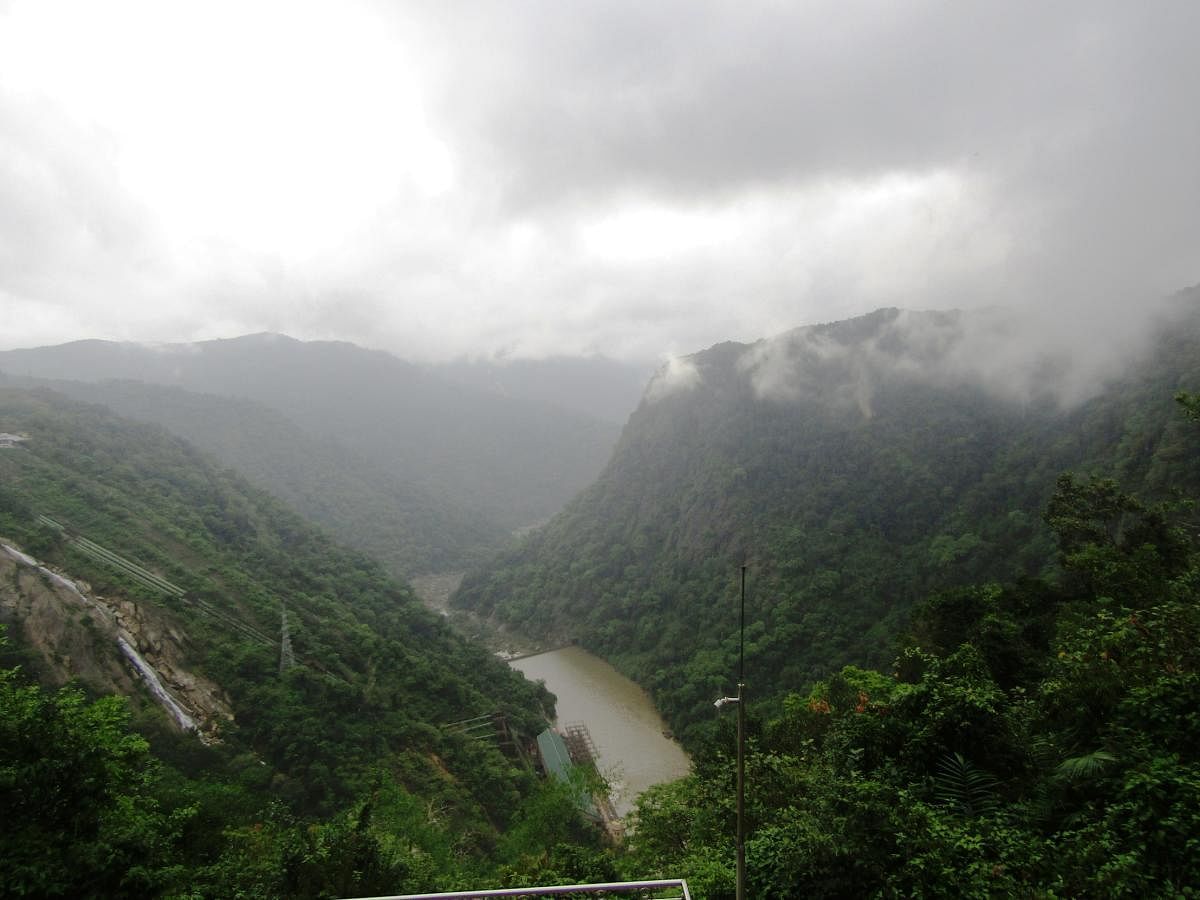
[
  {"x": 619, "y": 177},
  {"x": 677, "y": 375}
]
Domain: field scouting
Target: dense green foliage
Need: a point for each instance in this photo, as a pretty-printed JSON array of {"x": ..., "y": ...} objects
[
  {"x": 89, "y": 812},
  {"x": 1036, "y": 739},
  {"x": 334, "y": 777},
  {"x": 853, "y": 472},
  {"x": 73, "y": 785},
  {"x": 404, "y": 527},
  {"x": 1036, "y": 733}
]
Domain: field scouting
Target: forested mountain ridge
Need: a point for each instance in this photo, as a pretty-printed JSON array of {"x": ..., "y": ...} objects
[
  {"x": 407, "y": 528},
  {"x": 513, "y": 461},
  {"x": 1029, "y": 739},
  {"x": 355, "y": 723},
  {"x": 856, "y": 467}
]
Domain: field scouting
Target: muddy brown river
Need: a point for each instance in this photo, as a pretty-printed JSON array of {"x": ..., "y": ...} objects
[{"x": 625, "y": 726}]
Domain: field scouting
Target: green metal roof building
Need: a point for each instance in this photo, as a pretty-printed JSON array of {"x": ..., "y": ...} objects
[{"x": 558, "y": 764}]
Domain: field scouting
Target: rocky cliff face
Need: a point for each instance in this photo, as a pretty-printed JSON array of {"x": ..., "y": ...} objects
[{"x": 110, "y": 644}]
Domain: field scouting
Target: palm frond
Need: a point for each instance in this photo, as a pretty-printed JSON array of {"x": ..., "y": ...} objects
[
  {"x": 1079, "y": 768},
  {"x": 962, "y": 787}
]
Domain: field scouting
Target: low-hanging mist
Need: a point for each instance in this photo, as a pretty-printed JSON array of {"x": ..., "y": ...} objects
[{"x": 1024, "y": 355}]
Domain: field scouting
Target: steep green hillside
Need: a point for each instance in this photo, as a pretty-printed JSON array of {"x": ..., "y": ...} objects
[
  {"x": 1030, "y": 740},
  {"x": 856, "y": 467},
  {"x": 362, "y": 505},
  {"x": 376, "y": 676},
  {"x": 512, "y": 461}
]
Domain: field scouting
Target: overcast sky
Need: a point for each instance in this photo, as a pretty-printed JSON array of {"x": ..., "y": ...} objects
[{"x": 635, "y": 179}]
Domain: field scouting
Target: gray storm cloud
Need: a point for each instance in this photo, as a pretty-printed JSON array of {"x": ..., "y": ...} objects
[{"x": 627, "y": 178}]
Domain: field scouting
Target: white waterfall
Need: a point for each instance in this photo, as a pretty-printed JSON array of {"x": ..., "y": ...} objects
[
  {"x": 146, "y": 671},
  {"x": 150, "y": 677}
]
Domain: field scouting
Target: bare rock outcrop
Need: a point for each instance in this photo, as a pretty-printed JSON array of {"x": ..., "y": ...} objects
[{"x": 112, "y": 644}]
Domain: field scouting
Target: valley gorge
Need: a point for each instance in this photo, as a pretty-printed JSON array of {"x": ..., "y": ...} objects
[{"x": 886, "y": 500}]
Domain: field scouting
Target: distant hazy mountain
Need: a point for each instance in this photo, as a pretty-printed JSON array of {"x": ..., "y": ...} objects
[
  {"x": 403, "y": 526},
  {"x": 511, "y": 460},
  {"x": 594, "y": 386},
  {"x": 362, "y": 680},
  {"x": 855, "y": 467}
]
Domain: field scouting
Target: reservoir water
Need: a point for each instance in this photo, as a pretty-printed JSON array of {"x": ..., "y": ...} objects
[{"x": 626, "y": 728}]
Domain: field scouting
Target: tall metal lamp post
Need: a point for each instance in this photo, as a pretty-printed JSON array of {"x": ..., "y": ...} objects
[{"x": 741, "y": 744}]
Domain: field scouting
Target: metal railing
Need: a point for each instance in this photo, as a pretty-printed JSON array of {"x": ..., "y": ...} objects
[{"x": 627, "y": 888}]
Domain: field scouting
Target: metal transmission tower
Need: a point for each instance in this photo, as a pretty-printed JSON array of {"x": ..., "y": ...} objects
[{"x": 287, "y": 658}]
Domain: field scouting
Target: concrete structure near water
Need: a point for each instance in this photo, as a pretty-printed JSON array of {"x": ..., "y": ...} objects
[
  {"x": 561, "y": 756},
  {"x": 558, "y": 764}
]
